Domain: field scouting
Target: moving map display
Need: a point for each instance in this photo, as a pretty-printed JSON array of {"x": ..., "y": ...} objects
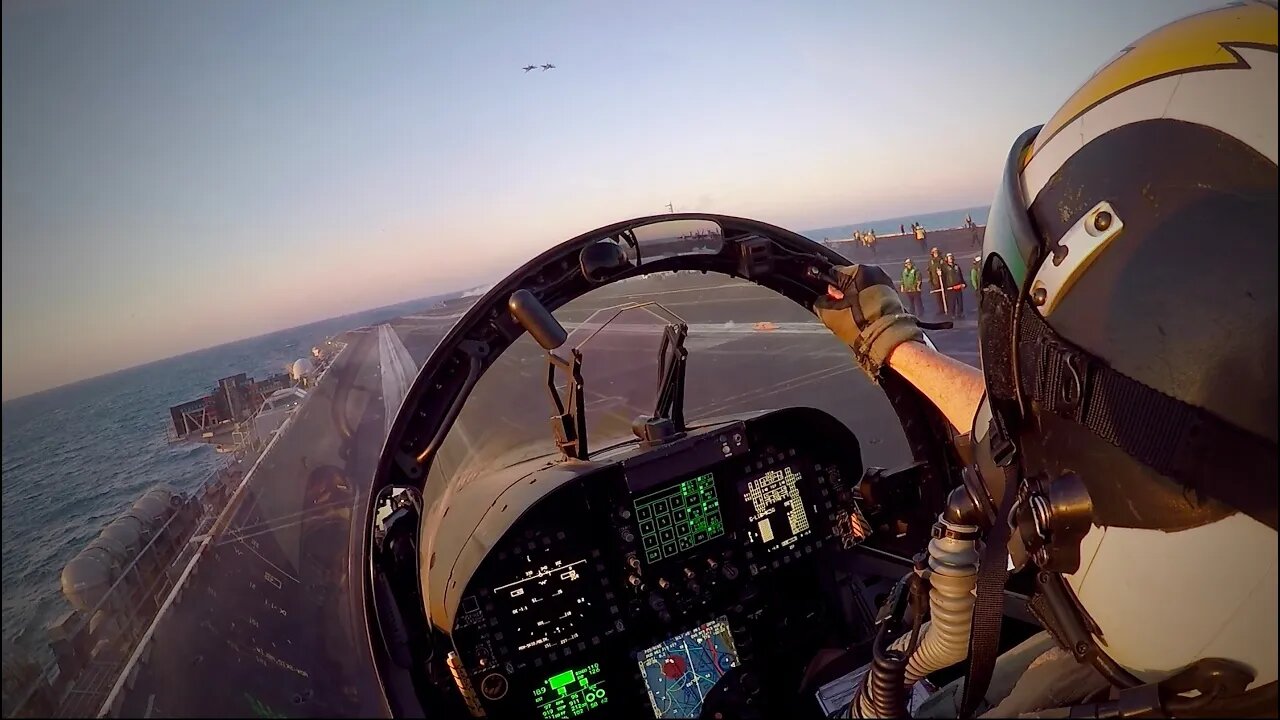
[
  {"x": 680, "y": 671},
  {"x": 678, "y": 518},
  {"x": 775, "y": 510}
]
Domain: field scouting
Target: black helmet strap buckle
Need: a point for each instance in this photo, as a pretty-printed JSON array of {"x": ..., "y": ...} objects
[{"x": 1065, "y": 372}]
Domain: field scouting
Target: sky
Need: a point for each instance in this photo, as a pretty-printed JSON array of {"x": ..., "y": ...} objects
[{"x": 181, "y": 174}]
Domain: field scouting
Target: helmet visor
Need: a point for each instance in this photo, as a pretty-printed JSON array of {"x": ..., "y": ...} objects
[{"x": 1009, "y": 248}]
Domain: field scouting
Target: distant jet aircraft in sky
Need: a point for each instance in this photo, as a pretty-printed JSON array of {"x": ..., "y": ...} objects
[
  {"x": 527, "y": 68},
  {"x": 548, "y": 66}
]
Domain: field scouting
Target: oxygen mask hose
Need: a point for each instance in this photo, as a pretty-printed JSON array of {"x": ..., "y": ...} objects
[
  {"x": 952, "y": 573},
  {"x": 882, "y": 694}
]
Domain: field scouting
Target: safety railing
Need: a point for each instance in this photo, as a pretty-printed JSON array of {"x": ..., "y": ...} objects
[
  {"x": 88, "y": 655},
  {"x": 89, "y": 647}
]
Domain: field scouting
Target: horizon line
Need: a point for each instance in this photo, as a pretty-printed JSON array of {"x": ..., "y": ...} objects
[{"x": 192, "y": 351}]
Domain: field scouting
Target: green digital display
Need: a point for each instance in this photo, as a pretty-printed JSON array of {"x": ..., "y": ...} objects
[
  {"x": 571, "y": 693},
  {"x": 678, "y": 518}
]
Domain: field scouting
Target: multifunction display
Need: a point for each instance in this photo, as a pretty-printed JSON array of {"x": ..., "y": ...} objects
[
  {"x": 776, "y": 516},
  {"x": 555, "y": 601},
  {"x": 571, "y": 693},
  {"x": 679, "y": 517}
]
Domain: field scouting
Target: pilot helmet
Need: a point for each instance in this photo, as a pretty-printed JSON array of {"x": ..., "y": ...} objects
[{"x": 1130, "y": 364}]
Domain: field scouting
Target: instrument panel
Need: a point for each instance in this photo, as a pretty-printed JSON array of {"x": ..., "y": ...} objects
[{"x": 650, "y": 580}]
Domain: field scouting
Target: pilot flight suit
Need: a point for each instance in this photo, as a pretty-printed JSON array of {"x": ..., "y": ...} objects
[{"x": 1033, "y": 676}]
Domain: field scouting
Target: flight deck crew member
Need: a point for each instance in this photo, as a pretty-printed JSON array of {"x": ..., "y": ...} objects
[
  {"x": 910, "y": 288},
  {"x": 934, "y": 272},
  {"x": 975, "y": 271},
  {"x": 919, "y": 233},
  {"x": 953, "y": 281}
]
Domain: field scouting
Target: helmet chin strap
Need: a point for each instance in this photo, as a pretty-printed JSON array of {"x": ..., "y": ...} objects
[
  {"x": 1217, "y": 681},
  {"x": 1220, "y": 685},
  {"x": 1056, "y": 607},
  {"x": 1045, "y": 521}
]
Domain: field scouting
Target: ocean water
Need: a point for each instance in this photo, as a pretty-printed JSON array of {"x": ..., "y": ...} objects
[
  {"x": 930, "y": 221},
  {"x": 77, "y": 456}
]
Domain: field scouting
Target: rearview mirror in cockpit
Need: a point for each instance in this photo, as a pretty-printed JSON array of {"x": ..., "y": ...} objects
[
  {"x": 604, "y": 259},
  {"x": 644, "y": 244},
  {"x": 668, "y": 238}
]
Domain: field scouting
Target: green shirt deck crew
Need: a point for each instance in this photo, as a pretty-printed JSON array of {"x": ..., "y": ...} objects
[{"x": 910, "y": 279}]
